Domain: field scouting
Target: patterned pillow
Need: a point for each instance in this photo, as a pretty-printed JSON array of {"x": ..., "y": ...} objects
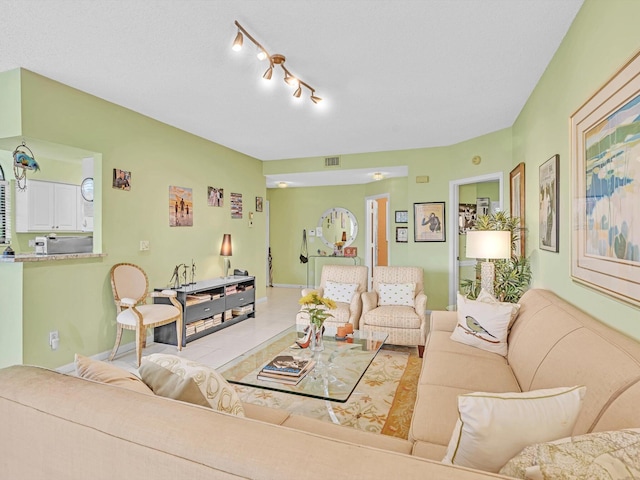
[
  {"x": 602, "y": 455},
  {"x": 340, "y": 292},
  {"x": 396, "y": 294},
  {"x": 174, "y": 377},
  {"x": 494, "y": 427},
  {"x": 104, "y": 372},
  {"x": 483, "y": 325}
]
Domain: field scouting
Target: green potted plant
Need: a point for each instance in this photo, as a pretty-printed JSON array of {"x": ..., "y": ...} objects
[{"x": 513, "y": 275}]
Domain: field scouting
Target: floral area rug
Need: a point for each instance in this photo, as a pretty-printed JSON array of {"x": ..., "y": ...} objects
[{"x": 382, "y": 402}]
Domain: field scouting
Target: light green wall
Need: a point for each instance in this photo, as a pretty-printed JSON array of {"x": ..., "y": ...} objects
[
  {"x": 11, "y": 117},
  {"x": 11, "y": 337},
  {"x": 433, "y": 257},
  {"x": 602, "y": 38},
  {"x": 74, "y": 297}
]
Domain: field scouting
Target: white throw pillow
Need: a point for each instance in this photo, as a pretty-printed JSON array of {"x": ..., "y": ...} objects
[
  {"x": 181, "y": 379},
  {"x": 483, "y": 325},
  {"x": 493, "y": 427},
  {"x": 340, "y": 292},
  {"x": 396, "y": 294},
  {"x": 486, "y": 297}
]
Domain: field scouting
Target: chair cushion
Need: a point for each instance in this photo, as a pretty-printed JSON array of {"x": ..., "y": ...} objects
[
  {"x": 340, "y": 292},
  {"x": 174, "y": 377},
  {"x": 394, "y": 316},
  {"x": 104, "y": 372},
  {"x": 492, "y": 428},
  {"x": 483, "y": 325},
  {"x": 151, "y": 314},
  {"x": 396, "y": 293}
]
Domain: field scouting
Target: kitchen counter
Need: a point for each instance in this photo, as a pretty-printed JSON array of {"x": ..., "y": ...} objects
[{"x": 32, "y": 257}]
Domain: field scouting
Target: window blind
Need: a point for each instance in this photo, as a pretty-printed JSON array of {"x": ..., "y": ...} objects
[{"x": 5, "y": 213}]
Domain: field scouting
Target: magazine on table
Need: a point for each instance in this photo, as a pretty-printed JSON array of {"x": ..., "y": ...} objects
[
  {"x": 287, "y": 365},
  {"x": 286, "y": 379}
]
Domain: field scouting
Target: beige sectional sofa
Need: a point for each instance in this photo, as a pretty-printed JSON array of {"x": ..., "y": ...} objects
[{"x": 63, "y": 427}]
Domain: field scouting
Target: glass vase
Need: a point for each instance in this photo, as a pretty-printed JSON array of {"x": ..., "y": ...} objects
[{"x": 316, "y": 338}]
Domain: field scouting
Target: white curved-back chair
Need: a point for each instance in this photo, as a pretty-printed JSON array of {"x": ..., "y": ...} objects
[{"x": 130, "y": 287}]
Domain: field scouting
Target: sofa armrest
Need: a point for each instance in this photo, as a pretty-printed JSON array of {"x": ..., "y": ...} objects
[
  {"x": 442, "y": 320},
  {"x": 369, "y": 301},
  {"x": 420, "y": 304},
  {"x": 307, "y": 291}
]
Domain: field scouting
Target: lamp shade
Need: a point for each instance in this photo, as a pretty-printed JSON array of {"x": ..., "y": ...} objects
[
  {"x": 488, "y": 244},
  {"x": 225, "y": 249}
]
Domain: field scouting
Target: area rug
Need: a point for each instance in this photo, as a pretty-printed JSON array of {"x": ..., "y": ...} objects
[{"x": 382, "y": 402}]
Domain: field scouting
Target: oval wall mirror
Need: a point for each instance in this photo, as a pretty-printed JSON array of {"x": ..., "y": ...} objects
[{"x": 338, "y": 225}]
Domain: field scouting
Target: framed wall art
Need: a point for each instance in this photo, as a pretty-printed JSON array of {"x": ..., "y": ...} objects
[
  {"x": 236, "y": 205},
  {"x": 466, "y": 217},
  {"x": 516, "y": 206},
  {"x": 259, "y": 204},
  {"x": 428, "y": 222},
  {"x": 548, "y": 191},
  {"x": 121, "y": 179},
  {"x": 215, "y": 197},
  {"x": 605, "y": 141},
  {"x": 402, "y": 234},
  {"x": 402, "y": 216},
  {"x": 180, "y": 207}
]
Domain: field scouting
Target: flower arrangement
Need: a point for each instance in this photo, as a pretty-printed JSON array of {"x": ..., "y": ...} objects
[{"x": 316, "y": 306}]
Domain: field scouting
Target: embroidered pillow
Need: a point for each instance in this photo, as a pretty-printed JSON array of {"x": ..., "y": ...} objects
[
  {"x": 614, "y": 455},
  {"x": 175, "y": 377},
  {"x": 493, "y": 427},
  {"x": 396, "y": 294},
  {"x": 483, "y": 325},
  {"x": 340, "y": 292}
]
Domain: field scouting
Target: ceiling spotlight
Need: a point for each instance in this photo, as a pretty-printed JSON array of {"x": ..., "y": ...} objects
[
  {"x": 378, "y": 176},
  {"x": 237, "y": 43},
  {"x": 282, "y": 184},
  {"x": 277, "y": 60}
]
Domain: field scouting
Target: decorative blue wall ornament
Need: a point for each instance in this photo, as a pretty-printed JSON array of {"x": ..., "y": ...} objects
[{"x": 23, "y": 160}]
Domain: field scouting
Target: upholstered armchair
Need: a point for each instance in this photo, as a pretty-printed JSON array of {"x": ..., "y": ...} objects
[
  {"x": 397, "y": 306},
  {"x": 343, "y": 284}
]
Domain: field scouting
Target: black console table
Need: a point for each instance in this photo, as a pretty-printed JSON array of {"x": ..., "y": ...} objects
[{"x": 209, "y": 306}]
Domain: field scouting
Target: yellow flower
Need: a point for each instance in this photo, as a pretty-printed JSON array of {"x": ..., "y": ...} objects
[{"x": 316, "y": 306}]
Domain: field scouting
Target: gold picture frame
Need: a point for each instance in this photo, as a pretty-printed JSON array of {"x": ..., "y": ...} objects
[
  {"x": 516, "y": 204},
  {"x": 605, "y": 141},
  {"x": 429, "y": 222}
]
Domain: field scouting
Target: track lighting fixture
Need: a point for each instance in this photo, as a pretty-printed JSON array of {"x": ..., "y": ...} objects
[{"x": 277, "y": 60}]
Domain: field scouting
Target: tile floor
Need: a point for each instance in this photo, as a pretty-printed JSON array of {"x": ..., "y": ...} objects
[{"x": 274, "y": 315}]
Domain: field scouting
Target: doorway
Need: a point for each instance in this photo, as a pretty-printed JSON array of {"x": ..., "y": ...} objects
[
  {"x": 483, "y": 183},
  {"x": 377, "y": 233}
]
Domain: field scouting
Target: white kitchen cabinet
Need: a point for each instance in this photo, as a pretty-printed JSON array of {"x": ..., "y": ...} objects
[{"x": 47, "y": 207}]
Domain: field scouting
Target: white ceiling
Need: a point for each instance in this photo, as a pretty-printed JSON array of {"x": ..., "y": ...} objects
[{"x": 395, "y": 74}]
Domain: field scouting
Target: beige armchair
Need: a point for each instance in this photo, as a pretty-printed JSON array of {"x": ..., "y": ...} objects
[
  {"x": 130, "y": 287},
  {"x": 337, "y": 282},
  {"x": 395, "y": 308}
]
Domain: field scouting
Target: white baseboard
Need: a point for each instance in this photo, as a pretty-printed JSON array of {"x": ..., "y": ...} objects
[
  {"x": 103, "y": 356},
  {"x": 286, "y": 285}
]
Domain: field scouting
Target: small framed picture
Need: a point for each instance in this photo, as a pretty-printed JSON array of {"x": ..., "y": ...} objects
[
  {"x": 548, "y": 194},
  {"x": 402, "y": 234},
  {"x": 121, "y": 179},
  {"x": 402, "y": 216},
  {"x": 258, "y": 204}
]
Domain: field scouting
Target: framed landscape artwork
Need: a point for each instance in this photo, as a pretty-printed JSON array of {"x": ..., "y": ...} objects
[
  {"x": 516, "y": 196},
  {"x": 605, "y": 141},
  {"x": 428, "y": 222},
  {"x": 548, "y": 211},
  {"x": 180, "y": 207}
]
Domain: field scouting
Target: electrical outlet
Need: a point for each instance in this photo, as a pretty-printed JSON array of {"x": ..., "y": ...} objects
[
  {"x": 144, "y": 245},
  {"x": 32, "y": 242},
  {"x": 54, "y": 339}
]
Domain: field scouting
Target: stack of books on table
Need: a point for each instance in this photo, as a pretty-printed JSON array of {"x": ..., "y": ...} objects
[{"x": 286, "y": 369}]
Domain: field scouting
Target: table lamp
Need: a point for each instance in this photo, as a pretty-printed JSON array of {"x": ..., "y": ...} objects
[
  {"x": 488, "y": 244},
  {"x": 225, "y": 252}
]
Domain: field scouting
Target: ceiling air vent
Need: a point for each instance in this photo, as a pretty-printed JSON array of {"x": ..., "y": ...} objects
[{"x": 332, "y": 162}]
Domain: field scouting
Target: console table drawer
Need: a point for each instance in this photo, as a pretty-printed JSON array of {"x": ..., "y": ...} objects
[
  {"x": 204, "y": 310},
  {"x": 239, "y": 299}
]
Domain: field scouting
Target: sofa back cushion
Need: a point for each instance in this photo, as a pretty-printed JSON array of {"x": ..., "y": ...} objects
[{"x": 553, "y": 344}]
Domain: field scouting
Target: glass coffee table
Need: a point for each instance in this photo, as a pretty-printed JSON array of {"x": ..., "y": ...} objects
[{"x": 337, "y": 371}]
